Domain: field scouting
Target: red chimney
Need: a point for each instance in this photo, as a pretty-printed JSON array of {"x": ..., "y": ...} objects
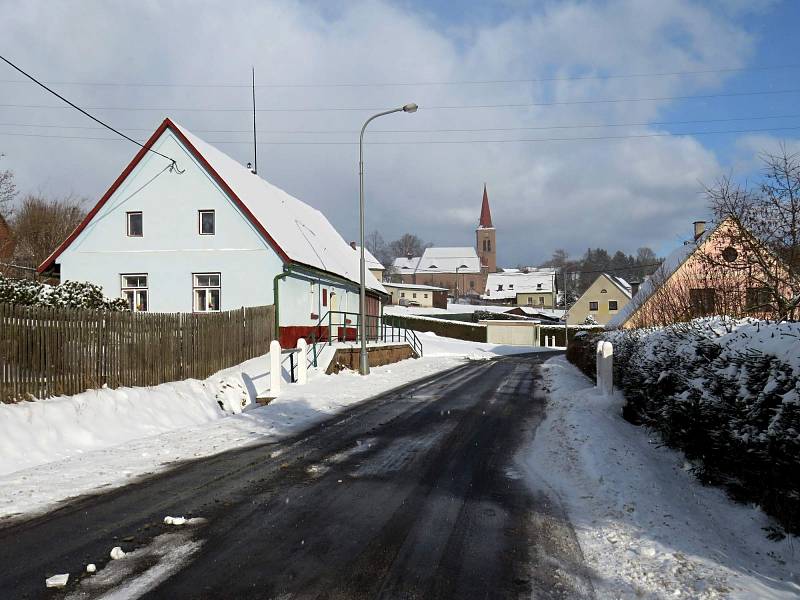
[{"x": 486, "y": 214}]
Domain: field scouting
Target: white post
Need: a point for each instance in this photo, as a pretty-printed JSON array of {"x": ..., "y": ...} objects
[
  {"x": 275, "y": 368},
  {"x": 546, "y": 341},
  {"x": 302, "y": 361},
  {"x": 599, "y": 365},
  {"x": 608, "y": 368}
]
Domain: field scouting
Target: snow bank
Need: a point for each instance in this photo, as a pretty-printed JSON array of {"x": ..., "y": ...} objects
[
  {"x": 33, "y": 433},
  {"x": 647, "y": 528}
]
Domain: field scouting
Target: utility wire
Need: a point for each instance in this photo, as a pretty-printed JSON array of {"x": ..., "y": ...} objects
[
  {"x": 431, "y": 107},
  {"x": 414, "y": 142},
  {"x": 420, "y": 83},
  {"x": 173, "y": 165},
  {"x": 455, "y": 130},
  {"x": 610, "y": 270}
]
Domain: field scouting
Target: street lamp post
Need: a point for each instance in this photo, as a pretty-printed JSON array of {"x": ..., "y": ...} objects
[{"x": 362, "y": 305}]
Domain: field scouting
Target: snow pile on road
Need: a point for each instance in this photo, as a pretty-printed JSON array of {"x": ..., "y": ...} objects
[
  {"x": 55, "y": 449},
  {"x": 646, "y": 526},
  {"x": 33, "y": 433}
]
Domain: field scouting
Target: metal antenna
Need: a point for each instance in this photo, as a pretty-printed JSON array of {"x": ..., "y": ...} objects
[{"x": 255, "y": 140}]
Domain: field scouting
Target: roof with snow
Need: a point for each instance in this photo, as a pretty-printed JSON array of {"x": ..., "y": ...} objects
[
  {"x": 415, "y": 286},
  {"x": 369, "y": 258},
  {"x": 298, "y": 232},
  {"x": 508, "y": 285},
  {"x": 623, "y": 285},
  {"x": 441, "y": 260},
  {"x": 671, "y": 264}
]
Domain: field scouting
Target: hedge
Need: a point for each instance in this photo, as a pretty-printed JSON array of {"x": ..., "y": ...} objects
[
  {"x": 451, "y": 329},
  {"x": 726, "y": 393}
]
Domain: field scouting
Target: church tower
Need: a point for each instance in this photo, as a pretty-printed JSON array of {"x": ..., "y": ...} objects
[{"x": 485, "y": 238}]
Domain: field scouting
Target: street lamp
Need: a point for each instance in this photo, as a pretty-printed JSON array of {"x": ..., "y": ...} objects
[
  {"x": 457, "y": 268},
  {"x": 363, "y": 363}
]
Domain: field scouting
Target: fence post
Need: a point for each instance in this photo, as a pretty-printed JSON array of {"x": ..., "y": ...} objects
[
  {"x": 599, "y": 365},
  {"x": 608, "y": 367},
  {"x": 302, "y": 361},
  {"x": 274, "y": 368}
]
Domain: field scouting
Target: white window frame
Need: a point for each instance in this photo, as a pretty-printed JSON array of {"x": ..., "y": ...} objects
[
  {"x": 133, "y": 294},
  {"x": 204, "y": 292},
  {"x": 128, "y": 216},
  {"x": 200, "y": 214}
]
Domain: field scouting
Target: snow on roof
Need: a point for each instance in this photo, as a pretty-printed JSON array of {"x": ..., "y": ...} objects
[
  {"x": 447, "y": 260},
  {"x": 369, "y": 258},
  {"x": 508, "y": 285},
  {"x": 623, "y": 285},
  {"x": 301, "y": 231},
  {"x": 415, "y": 286},
  {"x": 402, "y": 263},
  {"x": 671, "y": 264}
]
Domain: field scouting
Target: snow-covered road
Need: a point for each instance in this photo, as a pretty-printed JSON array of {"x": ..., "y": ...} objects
[{"x": 646, "y": 526}]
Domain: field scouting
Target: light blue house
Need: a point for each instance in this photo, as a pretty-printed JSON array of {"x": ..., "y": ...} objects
[{"x": 210, "y": 235}]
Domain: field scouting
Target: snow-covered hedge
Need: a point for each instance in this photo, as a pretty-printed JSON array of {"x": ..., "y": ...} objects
[
  {"x": 71, "y": 294},
  {"x": 725, "y": 392}
]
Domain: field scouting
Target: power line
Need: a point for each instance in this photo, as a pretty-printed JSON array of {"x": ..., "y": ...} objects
[
  {"x": 414, "y": 142},
  {"x": 611, "y": 270},
  {"x": 431, "y": 107},
  {"x": 453, "y": 130},
  {"x": 422, "y": 83},
  {"x": 174, "y": 164}
]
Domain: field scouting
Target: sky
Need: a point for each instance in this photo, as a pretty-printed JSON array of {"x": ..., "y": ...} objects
[{"x": 512, "y": 94}]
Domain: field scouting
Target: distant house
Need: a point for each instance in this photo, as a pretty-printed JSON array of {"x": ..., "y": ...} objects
[
  {"x": 602, "y": 301},
  {"x": 456, "y": 269},
  {"x": 211, "y": 235},
  {"x": 708, "y": 275},
  {"x": 373, "y": 265},
  {"x": 536, "y": 288},
  {"x": 409, "y": 294}
]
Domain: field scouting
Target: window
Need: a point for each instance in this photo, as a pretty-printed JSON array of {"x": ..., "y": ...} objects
[
  {"x": 730, "y": 254},
  {"x": 604, "y": 291},
  {"x": 472, "y": 284},
  {"x": 530, "y": 300},
  {"x": 593, "y": 306},
  {"x": 489, "y": 245},
  {"x": 134, "y": 224},
  {"x": 759, "y": 299},
  {"x": 499, "y": 287},
  {"x": 206, "y": 292},
  {"x": 414, "y": 295},
  {"x": 425, "y": 295},
  {"x": 541, "y": 300},
  {"x": 484, "y": 245},
  {"x": 538, "y": 286},
  {"x": 207, "y": 222},
  {"x": 324, "y": 297},
  {"x": 402, "y": 294},
  {"x": 703, "y": 301},
  {"x": 134, "y": 291},
  {"x": 612, "y": 305}
]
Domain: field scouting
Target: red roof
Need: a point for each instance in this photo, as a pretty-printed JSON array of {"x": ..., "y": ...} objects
[{"x": 486, "y": 214}]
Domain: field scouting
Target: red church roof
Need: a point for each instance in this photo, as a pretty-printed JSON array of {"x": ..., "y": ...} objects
[{"x": 486, "y": 214}]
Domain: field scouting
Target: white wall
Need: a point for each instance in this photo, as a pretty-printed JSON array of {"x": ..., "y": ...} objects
[{"x": 171, "y": 248}]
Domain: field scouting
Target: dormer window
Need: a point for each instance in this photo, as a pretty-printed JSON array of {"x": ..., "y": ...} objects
[
  {"x": 134, "y": 223},
  {"x": 538, "y": 286},
  {"x": 433, "y": 267},
  {"x": 511, "y": 286},
  {"x": 207, "y": 222},
  {"x": 499, "y": 287}
]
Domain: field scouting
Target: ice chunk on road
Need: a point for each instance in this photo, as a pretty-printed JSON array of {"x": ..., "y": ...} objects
[
  {"x": 91, "y": 568},
  {"x": 57, "y": 581},
  {"x": 117, "y": 553}
]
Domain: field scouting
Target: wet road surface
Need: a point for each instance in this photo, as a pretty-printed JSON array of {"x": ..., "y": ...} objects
[{"x": 412, "y": 494}]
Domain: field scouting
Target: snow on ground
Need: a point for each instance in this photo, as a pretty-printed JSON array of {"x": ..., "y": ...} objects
[
  {"x": 57, "y": 448},
  {"x": 646, "y": 526}
]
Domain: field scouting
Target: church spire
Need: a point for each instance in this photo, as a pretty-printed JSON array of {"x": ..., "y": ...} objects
[{"x": 486, "y": 214}]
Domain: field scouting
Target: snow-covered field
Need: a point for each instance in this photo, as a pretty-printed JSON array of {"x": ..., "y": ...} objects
[
  {"x": 647, "y": 528},
  {"x": 57, "y": 448}
]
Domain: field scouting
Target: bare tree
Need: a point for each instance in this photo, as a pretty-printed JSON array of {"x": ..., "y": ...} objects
[
  {"x": 8, "y": 190},
  {"x": 41, "y": 224},
  {"x": 763, "y": 246},
  {"x": 407, "y": 244}
]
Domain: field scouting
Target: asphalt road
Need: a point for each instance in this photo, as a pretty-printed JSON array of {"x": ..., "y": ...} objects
[{"x": 412, "y": 494}]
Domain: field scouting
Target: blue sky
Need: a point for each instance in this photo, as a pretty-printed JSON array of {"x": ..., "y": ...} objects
[{"x": 621, "y": 193}]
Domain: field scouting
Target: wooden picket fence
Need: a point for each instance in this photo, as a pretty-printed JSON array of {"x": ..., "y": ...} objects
[{"x": 53, "y": 351}]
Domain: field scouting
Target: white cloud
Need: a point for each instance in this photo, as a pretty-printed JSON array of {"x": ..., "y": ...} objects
[{"x": 544, "y": 195}]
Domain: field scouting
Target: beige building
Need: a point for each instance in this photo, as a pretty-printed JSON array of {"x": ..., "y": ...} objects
[
  {"x": 409, "y": 294},
  {"x": 462, "y": 270},
  {"x": 517, "y": 288},
  {"x": 603, "y": 300},
  {"x": 373, "y": 265}
]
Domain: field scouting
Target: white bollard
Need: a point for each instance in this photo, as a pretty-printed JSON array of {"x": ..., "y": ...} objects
[
  {"x": 608, "y": 368},
  {"x": 302, "y": 362},
  {"x": 599, "y": 365},
  {"x": 275, "y": 368}
]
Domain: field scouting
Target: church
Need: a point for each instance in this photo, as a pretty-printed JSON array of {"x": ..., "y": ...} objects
[{"x": 462, "y": 270}]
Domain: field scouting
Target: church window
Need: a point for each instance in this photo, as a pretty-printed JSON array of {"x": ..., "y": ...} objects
[{"x": 488, "y": 245}]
